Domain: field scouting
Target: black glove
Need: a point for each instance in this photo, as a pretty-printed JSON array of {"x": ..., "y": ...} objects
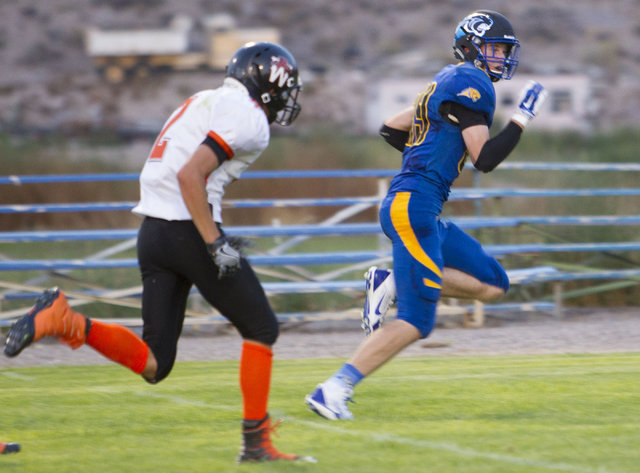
[{"x": 226, "y": 257}]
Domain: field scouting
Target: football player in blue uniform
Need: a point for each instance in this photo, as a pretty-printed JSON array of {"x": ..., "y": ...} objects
[{"x": 448, "y": 123}]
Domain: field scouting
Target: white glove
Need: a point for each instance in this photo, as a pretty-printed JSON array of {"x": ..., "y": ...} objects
[
  {"x": 225, "y": 256},
  {"x": 531, "y": 99}
]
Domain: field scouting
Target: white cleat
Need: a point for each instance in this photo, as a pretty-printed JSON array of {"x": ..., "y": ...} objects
[
  {"x": 329, "y": 400},
  {"x": 380, "y": 292}
]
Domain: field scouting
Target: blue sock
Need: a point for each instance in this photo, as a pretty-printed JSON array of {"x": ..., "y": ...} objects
[{"x": 349, "y": 374}]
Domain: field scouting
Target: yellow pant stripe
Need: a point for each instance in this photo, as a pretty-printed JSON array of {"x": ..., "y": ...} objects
[
  {"x": 429, "y": 283},
  {"x": 402, "y": 225}
]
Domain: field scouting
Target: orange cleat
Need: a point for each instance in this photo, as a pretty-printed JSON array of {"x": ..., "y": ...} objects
[
  {"x": 9, "y": 448},
  {"x": 50, "y": 316}
]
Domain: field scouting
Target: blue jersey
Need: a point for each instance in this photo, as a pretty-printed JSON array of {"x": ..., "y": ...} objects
[{"x": 435, "y": 152}]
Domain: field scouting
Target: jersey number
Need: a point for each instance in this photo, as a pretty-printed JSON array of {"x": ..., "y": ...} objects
[
  {"x": 420, "y": 125},
  {"x": 160, "y": 145}
]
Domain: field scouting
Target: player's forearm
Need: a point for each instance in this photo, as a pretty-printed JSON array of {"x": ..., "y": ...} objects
[
  {"x": 194, "y": 194},
  {"x": 498, "y": 148}
]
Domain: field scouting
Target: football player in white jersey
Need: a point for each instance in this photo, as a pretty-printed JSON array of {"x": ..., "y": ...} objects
[{"x": 205, "y": 144}]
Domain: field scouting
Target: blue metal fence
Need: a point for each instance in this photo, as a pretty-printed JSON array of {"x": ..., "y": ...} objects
[{"x": 104, "y": 260}]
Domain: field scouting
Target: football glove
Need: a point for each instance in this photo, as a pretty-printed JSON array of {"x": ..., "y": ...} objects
[
  {"x": 225, "y": 256},
  {"x": 531, "y": 99}
]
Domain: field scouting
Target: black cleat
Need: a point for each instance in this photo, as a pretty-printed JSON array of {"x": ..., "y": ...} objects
[{"x": 257, "y": 446}]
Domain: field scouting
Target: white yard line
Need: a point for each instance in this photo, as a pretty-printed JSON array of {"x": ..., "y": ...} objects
[
  {"x": 343, "y": 429},
  {"x": 11, "y": 374},
  {"x": 382, "y": 437}
]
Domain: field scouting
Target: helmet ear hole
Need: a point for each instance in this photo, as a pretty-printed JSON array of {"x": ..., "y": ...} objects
[
  {"x": 266, "y": 97},
  {"x": 465, "y": 49},
  {"x": 270, "y": 74}
]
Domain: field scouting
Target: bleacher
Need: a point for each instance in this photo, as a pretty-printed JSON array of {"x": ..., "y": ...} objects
[{"x": 287, "y": 270}]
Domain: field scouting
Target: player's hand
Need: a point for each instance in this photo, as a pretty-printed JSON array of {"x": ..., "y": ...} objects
[
  {"x": 225, "y": 256},
  {"x": 531, "y": 99}
]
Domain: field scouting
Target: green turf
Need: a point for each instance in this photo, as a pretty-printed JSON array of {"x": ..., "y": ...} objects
[{"x": 577, "y": 414}]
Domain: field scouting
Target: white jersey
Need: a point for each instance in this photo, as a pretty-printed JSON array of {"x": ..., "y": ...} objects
[{"x": 228, "y": 115}]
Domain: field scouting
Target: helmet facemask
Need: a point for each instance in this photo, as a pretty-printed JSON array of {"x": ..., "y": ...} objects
[
  {"x": 282, "y": 107},
  {"x": 502, "y": 66}
]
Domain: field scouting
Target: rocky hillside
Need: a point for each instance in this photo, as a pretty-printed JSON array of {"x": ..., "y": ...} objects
[{"x": 47, "y": 80}]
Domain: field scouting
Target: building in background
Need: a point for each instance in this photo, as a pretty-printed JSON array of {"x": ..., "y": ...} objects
[
  {"x": 569, "y": 105},
  {"x": 56, "y": 71},
  {"x": 124, "y": 53}
]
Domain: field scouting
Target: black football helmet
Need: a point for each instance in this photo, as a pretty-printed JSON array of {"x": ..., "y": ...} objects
[
  {"x": 270, "y": 74},
  {"x": 476, "y": 38}
]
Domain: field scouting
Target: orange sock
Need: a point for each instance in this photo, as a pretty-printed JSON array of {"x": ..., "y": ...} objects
[
  {"x": 60, "y": 320},
  {"x": 119, "y": 344},
  {"x": 255, "y": 379}
]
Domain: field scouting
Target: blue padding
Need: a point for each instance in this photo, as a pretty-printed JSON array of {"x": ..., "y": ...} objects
[
  {"x": 570, "y": 166},
  {"x": 323, "y": 173},
  {"x": 319, "y": 258},
  {"x": 516, "y": 306},
  {"x": 245, "y": 231},
  {"x": 313, "y": 202},
  {"x": 271, "y": 287},
  {"x": 299, "y": 259},
  {"x": 584, "y": 276},
  {"x": 59, "y": 264},
  {"x": 456, "y": 195},
  {"x": 313, "y": 286},
  {"x": 475, "y": 194},
  {"x": 293, "y": 174},
  {"x": 497, "y": 250},
  {"x": 77, "y": 207},
  {"x": 68, "y": 235},
  {"x": 48, "y": 179},
  {"x": 466, "y": 223},
  {"x": 573, "y": 220}
]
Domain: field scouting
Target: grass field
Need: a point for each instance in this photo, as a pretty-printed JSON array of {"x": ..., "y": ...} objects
[{"x": 578, "y": 414}]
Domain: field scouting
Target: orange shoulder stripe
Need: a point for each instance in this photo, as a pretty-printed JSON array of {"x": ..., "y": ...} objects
[{"x": 223, "y": 144}]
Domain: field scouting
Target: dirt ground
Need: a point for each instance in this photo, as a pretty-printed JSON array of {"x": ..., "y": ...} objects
[{"x": 578, "y": 331}]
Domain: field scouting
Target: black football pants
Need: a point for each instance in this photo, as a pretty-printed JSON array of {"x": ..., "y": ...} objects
[{"x": 173, "y": 257}]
